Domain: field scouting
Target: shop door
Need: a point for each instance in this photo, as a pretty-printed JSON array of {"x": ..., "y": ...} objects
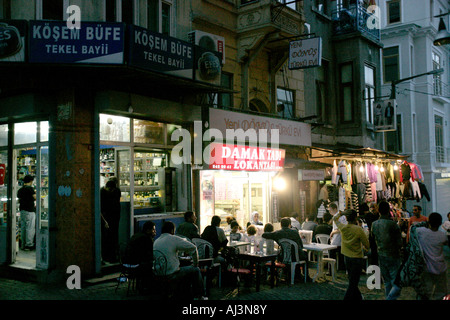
[{"x": 31, "y": 161}]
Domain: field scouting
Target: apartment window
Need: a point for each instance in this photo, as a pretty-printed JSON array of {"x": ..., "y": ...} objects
[
  {"x": 439, "y": 136},
  {"x": 437, "y": 80},
  {"x": 127, "y": 11},
  {"x": 391, "y": 70},
  {"x": 321, "y": 6},
  {"x": 111, "y": 10},
  {"x": 411, "y": 53},
  {"x": 52, "y": 10},
  {"x": 289, "y": 3},
  {"x": 369, "y": 92},
  {"x": 5, "y": 9},
  {"x": 159, "y": 16},
  {"x": 346, "y": 89},
  {"x": 285, "y": 103},
  {"x": 393, "y": 139},
  {"x": 393, "y": 11},
  {"x": 226, "y": 99},
  {"x": 322, "y": 90}
]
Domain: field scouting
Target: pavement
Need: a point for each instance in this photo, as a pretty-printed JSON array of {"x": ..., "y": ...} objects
[{"x": 322, "y": 290}]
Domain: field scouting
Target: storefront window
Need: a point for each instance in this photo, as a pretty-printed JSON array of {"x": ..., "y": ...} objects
[
  {"x": 114, "y": 128},
  {"x": 3, "y": 135},
  {"x": 148, "y": 132},
  {"x": 25, "y": 132},
  {"x": 44, "y": 131}
]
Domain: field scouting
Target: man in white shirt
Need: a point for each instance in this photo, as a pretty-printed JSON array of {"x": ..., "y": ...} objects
[
  {"x": 335, "y": 236},
  {"x": 170, "y": 245}
]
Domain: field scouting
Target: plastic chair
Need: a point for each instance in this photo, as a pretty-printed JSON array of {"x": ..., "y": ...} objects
[
  {"x": 205, "y": 251},
  {"x": 165, "y": 281},
  {"x": 288, "y": 247},
  {"x": 323, "y": 239}
]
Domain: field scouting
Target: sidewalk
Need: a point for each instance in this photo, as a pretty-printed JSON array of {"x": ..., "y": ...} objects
[{"x": 323, "y": 289}]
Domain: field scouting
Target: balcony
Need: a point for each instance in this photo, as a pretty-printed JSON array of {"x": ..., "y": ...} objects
[
  {"x": 441, "y": 90},
  {"x": 354, "y": 18},
  {"x": 264, "y": 19}
]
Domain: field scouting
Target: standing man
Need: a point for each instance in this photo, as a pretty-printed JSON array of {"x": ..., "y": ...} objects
[
  {"x": 110, "y": 213},
  {"x": 188, "y": 228},
  {"x": 335, "y": 237},
  {"x": 27, "y": 198},
  {"x": 432, "y": 241},
  {"x": 388, "y": 238},
  {"x": 354, "y": 241},
  {"x": 416, "y": 218}
]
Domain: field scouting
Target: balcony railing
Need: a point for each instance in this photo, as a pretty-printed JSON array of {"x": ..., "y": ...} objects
[
  {"x": 441, "y": 88},
  {"x": 352, "y": 19}
]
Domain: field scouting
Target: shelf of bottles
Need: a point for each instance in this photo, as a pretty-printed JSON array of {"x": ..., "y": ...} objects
[
  {"x": 107, "y": 165},
  {"x": 148, "y": 186}
]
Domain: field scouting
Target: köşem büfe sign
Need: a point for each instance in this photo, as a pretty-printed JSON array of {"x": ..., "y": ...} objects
[
  {"x": 161, "y": 53},
  {"x": 94, "y": 42}
]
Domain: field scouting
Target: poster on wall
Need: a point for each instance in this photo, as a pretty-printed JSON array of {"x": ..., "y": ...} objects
[
  {"x": 160, "y": 53},
  {"x": 94, "y": 42},
  {"x": 384, "y": 115},
  {"x": 12, "y": 40}
]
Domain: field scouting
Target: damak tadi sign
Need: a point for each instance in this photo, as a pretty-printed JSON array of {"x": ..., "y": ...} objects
[
  {"x": 306, "y": 53},
  {"x": 94, "y": 42},
  {"x": 161, "y": 53}
]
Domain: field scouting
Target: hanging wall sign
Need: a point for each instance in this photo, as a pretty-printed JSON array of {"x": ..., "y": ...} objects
[
  {"x": 94, "y": 42},
  {"x": 306, "y": 53},
  {"x": 384, "y": 115},
  {"x": 245, "y": 158},
  {"x": 161, "y": 53}
]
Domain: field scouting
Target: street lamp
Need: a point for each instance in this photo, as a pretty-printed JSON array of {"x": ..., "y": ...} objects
[
  {"x": 395, "y": 82},
  {"x": 443, "y": 36}
]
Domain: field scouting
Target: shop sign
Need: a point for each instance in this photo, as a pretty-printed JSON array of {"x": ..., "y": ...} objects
[
  {"x": 207, "y": 66},
  {"x": 161, "y": 53},
  {"x": 94, "y": 42},
  {"x": 384, "y": 115},
  {"x": 12, "y": 40},
  {"x": 246, "y": 158},
  {"x": 306, "y": 53},
  {"x": 289, "y": 132},
  {"x": 311, "y": 175}
]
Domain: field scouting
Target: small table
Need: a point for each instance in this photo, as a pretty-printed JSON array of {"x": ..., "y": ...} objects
[
  {"x": 257, "y": 259},
  {"x": 319, "y": 248}
]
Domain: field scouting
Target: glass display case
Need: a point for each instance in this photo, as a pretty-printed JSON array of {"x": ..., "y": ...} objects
[
  {"x": 107, "y": 165},
  {"x": 44, "y": 188},
  {"x": 122, "y": 162}
]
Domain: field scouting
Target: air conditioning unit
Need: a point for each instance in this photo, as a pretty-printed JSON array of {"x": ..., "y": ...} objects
[{"x": 208, "y": 41}]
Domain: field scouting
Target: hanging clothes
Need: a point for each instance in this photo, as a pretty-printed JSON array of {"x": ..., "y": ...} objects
[
  {"x": 424, "y": 191},
  {"x": 342, "y": 171},
  {"x": 405, "y": 171},
  {"x": 334, "y": 171}
]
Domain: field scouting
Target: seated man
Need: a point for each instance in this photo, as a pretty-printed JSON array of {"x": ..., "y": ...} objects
[
  {"x": 215, "y": 235},
  {"x": 139, "y": 251},
  {"x": 170, "y": 245},
  {"x": 287, "y": 233},
  {"x": 188, "y": 228}
]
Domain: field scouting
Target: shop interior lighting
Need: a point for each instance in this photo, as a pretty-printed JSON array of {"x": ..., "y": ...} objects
[{"x": 279, "y": 184}]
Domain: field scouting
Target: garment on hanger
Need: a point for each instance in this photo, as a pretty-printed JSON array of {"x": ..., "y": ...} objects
[
  {"x": 405, "y": 171},
  {"x": 342, "y": 171},
  {"x": 424, "y": 191},
  {"x": 334, "y": 171}
]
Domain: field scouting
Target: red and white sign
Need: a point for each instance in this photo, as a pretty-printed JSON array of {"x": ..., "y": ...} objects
[{"x": 247, "y": 158}]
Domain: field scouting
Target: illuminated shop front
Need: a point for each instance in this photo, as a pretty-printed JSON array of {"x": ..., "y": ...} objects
[{"x": 240, "y": 182}]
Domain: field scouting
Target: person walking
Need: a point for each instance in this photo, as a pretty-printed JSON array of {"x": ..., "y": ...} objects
[
  {"x": 335, "y": 237},
  {"x": 354, "y": 241},
  {"x": 110, "y": 213},
  {"x": 27, "y": 198},
  {"x": 387, "y": 236},
  {"x": 432, "y": 241},
  {"x": 416, "y": 218}
]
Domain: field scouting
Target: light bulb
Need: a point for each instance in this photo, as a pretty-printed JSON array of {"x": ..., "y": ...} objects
[
  {"x": 376, "y": 167},
  {"x": 395, "y": 167},
  {"x": 382, "y": 169},
  {"x": 361, "y": 169}
]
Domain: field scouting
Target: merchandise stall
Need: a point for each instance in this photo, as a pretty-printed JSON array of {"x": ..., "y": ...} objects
[{"x": 364, "y": 175}]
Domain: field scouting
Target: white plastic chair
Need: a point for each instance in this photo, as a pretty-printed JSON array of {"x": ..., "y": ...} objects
[
  {"x": 288, "y": 246},
  {"x": 206, "y": 250},
  {"x": 323, "y": 239}
]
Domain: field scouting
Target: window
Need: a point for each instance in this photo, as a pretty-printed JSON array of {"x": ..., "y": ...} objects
[
  {"x": 322, "y": 91},
  {"x": 369, "y": 92},
  {"x": 439, "y": 136},
  {"x": 52, "y": 10},
  {"x": 5, "y": 9},
  {"x": 437, "y": 81},
  {"x": 159, "y": 16},
  {"x": 285, "y": 103},
  {"x": 226, "y": 99},
  {"x": 346, "y": 89},
  {"x": 289, "y": 3},
  {"x": 111, "y": 10},
  {"x": 391, "y": 70},
  {"x": 411, "y": 53},
  {"x": 321, "y": 6},
  {"x": 127, "y": 11},
  {"x": 393, "y": 11},
  {"x": 393, "y": 139}
]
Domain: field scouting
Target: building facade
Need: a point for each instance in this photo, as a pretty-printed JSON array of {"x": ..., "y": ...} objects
[
  {"x": 79, "y": 106},
  {"x": 408, "y": 31}
]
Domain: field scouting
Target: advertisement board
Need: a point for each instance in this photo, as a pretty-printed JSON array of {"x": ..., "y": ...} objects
[
  {"x": 13, "y": 40},
  {"x": 94, "y": 42},
  {"x": 384, "y": 115},
  {"x": 305, "y": 53}
]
